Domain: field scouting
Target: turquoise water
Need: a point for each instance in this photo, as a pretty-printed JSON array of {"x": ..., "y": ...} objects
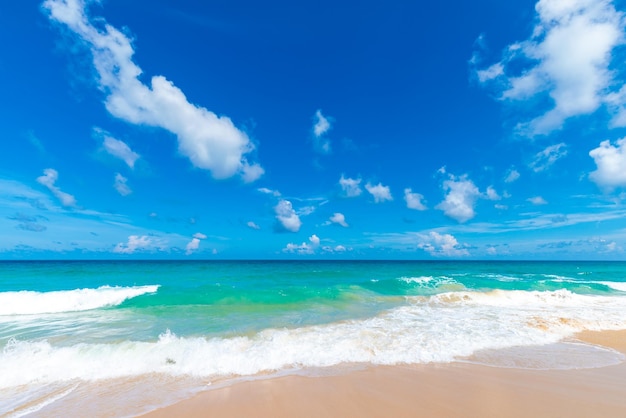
[{"x": 65, "y": 325}]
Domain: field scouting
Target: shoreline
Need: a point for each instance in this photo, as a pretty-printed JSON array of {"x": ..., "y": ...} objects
[{"x": 432, "y": 390}]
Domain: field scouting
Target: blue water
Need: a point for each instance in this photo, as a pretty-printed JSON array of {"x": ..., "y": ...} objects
[{"x": 65, "y": 325}]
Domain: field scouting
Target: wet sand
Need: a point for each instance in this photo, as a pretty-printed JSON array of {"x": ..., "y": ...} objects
[{"x": 449, "y": 390}]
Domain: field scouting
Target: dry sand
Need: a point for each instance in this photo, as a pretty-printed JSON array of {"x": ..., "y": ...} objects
[{"x": 451, "y": 390}]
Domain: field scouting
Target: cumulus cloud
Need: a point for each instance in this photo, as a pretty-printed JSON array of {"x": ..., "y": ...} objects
[
  {"x": 135, "y": 243},
  {"x": 461, "y": 196},
  {"x": 121, "y": 185},
  {"x": 611, "y": 164},
  {"x": 511, "y": 175},
  {"x": 49, "y": 179},
  {"x": 350, "y": 187},
  {"x": 544, "y": 159},
  {"x": 287, "y": 217},
  {"x": 252, "y": 225},
  {"x": 339, "y": 219},
  {"x": 211, "y": 142},
  {"x": 414, "y": 200},
  {"x": 437, "y": 244},
  {"x": 537, "y": 200},
  {"x": 305, "y": 247},
  {"x": 491, "y": 194},
  {"x": 194, "y": 244},
  {"x": 566, "y": 59},
  {"x": 320, "y": 127},
  {"x": 381, "y": 193},
  {"x": 119, "y": 149}
]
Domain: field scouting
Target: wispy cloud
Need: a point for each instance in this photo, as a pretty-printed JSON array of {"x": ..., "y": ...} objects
[
  {"x": 210, "y": 142},
  {"x": 49, "y": 179},
  {"x": 253, "y": 225},
  {"x": 118, "y": 149},
  {"x": 121, "y": 185},
  {"x": 320, "y": 127},
  {"x": 265, "y": 190},
  {"x": 537, "y": 200},
  {"x": 546, "y": 158},
  {"x": 511, "y": 175}
]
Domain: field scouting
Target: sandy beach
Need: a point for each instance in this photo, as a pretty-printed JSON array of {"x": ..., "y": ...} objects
[{"x": 448, "y": 390}]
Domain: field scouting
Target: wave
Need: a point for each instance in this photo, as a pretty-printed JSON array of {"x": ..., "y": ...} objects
[
  {"x": 27, "y": 302},
  {"x": 621, "y": 286},
  {"x": 439, "y": 328}
]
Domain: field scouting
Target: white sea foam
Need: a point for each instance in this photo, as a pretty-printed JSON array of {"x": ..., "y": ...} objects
[
  {"x": 440, "y": 328},
  {"x": 430, "y": 281},
  {"x": 29, "y": 302},
  {"x": 621, "y": 286}
]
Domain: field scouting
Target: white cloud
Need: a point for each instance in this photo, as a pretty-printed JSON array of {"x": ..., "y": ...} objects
[
  {"x": 351, "y": 187},
  {"x": 265, "y": 190},
  {"x": 441, "y": 245},
  {"x": 252, "y": 225},
  {"x": 537, "y": 200},
  {"x": 321, "y": 126},
  {"x": 611, "y": 164},
  {"x": 305, "y": 247},
  {"x": 306, "y": 210},
  {"x": 121, "y": 185},
  {"x": 120, "y": 150},
  {"x": 49, "y": 178},
  {"x": 567, "y": 58},
  {"x": 490, "y": 73},
  {"x": 192, "y": 246},
  {"x": 491, "y": 194},
  {"x": 511, "y": 175},
  {"x": 135, "y": 243},
  {"x": 314, "y": 240},
  {"x": 544, "y": 159},
  {"x": 287, "y": 217},
  {"x": 381, "y": 193},
  {"x": 339, "y": 219},
  {"x": 210, "y": 142},
  {"x": 414, "y": 200},
  {"x": 460, "y": 198}
]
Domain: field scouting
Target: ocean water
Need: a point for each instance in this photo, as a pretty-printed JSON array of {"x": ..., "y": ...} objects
[{"x": 117, "y": 338}]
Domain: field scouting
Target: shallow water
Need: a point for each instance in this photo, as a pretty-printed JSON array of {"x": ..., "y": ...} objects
[{"x": 136, "y": 330}]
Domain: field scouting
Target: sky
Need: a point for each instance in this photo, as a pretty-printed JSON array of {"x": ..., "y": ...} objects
[{"x": 181, "y": 129}]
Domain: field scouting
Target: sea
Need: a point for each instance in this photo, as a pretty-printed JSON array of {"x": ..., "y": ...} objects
[{"x": 120, "y": 338}]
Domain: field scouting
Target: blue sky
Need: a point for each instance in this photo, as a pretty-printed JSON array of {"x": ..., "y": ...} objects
[{"x": 279, "y": 129}]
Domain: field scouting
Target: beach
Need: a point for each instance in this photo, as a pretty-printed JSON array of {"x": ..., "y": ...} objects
[
  {"x": 442, "y": 390},
  {"x": 318, "y": 338}
]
